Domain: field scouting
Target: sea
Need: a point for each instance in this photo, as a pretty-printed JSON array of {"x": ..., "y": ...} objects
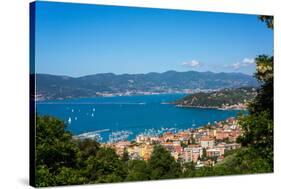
[{"x": 110, "y": 119}]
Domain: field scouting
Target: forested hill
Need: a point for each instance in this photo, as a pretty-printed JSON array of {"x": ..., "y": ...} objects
[
  {"x": 224, "y": 99},
  {"x": 56, "y": 87}
]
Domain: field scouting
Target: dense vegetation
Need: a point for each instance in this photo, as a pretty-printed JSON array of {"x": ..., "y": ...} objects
[
  {"x": 218, "y": 99},
  {"x": 54, "y": 87},
  {"x": 258, "y": 125},
  {"x": 61, "y": 160}
]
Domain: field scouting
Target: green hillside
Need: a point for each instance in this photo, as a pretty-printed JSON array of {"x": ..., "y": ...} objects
[{"x": 226, "y": 98}]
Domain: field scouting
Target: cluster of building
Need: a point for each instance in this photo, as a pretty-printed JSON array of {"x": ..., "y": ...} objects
[
  {"x": 203, "y": 146},
  {"x": 238, "y": 106},
  {"x": 153, "y": 91}
]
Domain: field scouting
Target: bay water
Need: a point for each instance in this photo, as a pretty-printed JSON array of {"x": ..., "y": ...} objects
[{"x": 125, "y": 117}]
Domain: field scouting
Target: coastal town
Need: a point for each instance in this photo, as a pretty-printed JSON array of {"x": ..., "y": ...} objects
[
  {"x": 203, "y": 146},
  {"x": 39, "y": 97}
]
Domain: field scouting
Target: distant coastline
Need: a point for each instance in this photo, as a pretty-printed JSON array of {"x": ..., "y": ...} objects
[
  {"x": 52, "y": 87},
  {"x": 39, "y": 99},
  {"x": 233, "y": 107}
]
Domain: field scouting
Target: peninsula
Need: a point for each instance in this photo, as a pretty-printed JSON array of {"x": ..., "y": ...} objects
[{"x": 226, "y": 99}]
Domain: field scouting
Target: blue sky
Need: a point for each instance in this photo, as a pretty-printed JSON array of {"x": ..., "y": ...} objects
[{"x": 80, "y": 39}]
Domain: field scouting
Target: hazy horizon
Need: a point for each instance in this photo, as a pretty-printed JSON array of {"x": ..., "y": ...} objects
[{"x": 143, "y": 73}]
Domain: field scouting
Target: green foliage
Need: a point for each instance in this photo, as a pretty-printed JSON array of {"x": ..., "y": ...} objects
[
  {"x": 230, "y": 152},
  {"x": 191, "y": 140},
  {"x": 69, "y": 176},
  {"x": 138, "y": 170},
  {"x": 101, "y": 170},
  {"x": 243, "y": 161},
  {"x": 256, "y": 155},
  {"x": 43, "y": 177},
  {"x": 258, "y": 125},
  {"x": 264, "y": 98},
  {"x": 61, "y": 160},
  {"x": 162, "y": 164},
  {"x": 269, "y": 20},
  {"x": 188, "y": 170},
  {"x": 125, "y": 156},
  {"x": 204, "y": 154},
  {"x": 105, "y": 167},
  {"x": 54, "y": 146},
  {"x": 183, "y": 144},
  {"x": 88, "y": 148},
  {"x": 258, "y": 134}
]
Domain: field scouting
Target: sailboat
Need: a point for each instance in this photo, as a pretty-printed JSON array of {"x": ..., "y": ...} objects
[
  {"x": 69, "y": 120},
  {"x": 193, "y": 124}
]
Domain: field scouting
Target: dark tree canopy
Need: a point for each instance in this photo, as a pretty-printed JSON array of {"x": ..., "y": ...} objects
[
  {"x": 269, "y": 20},
  {"x": 258, "y": 125},
  {"x": 162, "y": 164}
]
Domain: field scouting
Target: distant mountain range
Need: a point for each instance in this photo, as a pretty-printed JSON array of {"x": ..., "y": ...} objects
[{"x": 106, "y": 84}]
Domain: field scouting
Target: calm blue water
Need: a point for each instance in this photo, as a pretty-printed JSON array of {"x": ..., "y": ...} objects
[{"x": 131, "y": 114}]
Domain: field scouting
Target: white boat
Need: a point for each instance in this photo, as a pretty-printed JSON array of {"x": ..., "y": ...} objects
[
  {"x": 75, "y": 118},
  {"x": 69, "y": 120}
]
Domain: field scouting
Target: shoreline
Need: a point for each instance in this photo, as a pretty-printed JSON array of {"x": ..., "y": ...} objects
[
  {"x": 109, "y": 96},
  {"x": 87, "y": 135},
  {"x": 188, "y": 144},
  {"x": 208, "y": 107}
]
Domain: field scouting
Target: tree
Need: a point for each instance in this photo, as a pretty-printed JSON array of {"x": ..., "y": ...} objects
[
  {"x": 188, "y": 169},
  {"x": 258, "y": 134},
  {"x": 258, "y": 125},
  {"x": 54, "y": 145},
  {"x": 183, "y": 144},
  {"x": 162, "y": 164},
  {"x": 69, "y": 176},
  {"x": 264, "y": 74},
  {"x": 105, "y": 167},
  {"x": 204, "y": 154},
  {"x": 138, "y": 170},
  {"x": 43, "y": 177},
  {"x": 125, "y": 156},
  {"x": 269, "y": 20},
  {"x": 256, "y": 156},
  {"x": 191, "y": 140},
  {"x": 56, "y": 154},
  {"x": 87, "y": 148}
]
